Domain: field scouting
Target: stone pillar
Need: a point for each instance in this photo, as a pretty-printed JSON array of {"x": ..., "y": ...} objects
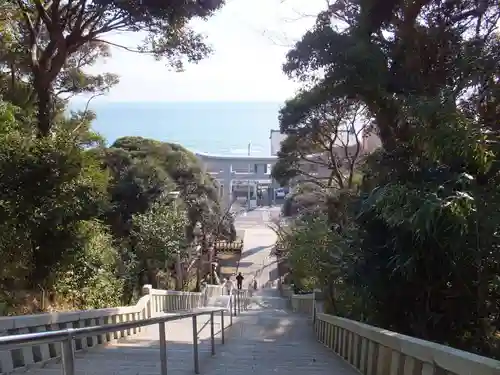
[{"x": 148, "y": 290}]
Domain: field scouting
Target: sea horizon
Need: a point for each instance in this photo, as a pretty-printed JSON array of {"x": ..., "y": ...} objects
[{"x": 223, "y": 128}]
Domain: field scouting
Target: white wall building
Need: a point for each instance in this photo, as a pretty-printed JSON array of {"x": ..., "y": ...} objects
[
  {"x": 276, "y": 138},
  {"x": 239, "y": 172},
  {"x": 250, "y": 171}
]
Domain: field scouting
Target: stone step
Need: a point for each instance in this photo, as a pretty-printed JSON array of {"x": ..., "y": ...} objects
[{"x": 140, "y": 354}]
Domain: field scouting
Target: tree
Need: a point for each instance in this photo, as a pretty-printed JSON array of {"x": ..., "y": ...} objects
[
  {"x": 427, "y": 73},
  {"x": 173, "y": 165},
  {"x": 56, "y": 36},
  {"x": 143, "y": 171},
  {"x": 324, "y": 147},
  {"x": 49, "y": 187},
  {"x": 361, "y": 61},
  {"x": 16, "y": 84},
  {"x": 89, "y": 279},
  {"x": 324, "y": 143},
  {"x": 160, "y": 237}
]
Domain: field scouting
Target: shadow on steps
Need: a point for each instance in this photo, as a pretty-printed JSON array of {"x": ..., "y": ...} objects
[{"x": 140, "y": 355}]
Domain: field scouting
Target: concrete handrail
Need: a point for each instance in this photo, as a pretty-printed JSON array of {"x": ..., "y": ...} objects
[
  {"x": 152, "y": 303},
  {"x": 302, "y": 303},
  {"x": 373, "y": 350},
  {"x": 66, "y": 337}
]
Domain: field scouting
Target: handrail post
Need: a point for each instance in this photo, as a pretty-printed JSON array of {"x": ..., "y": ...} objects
[
  {"x": 148, "y": 290},
  {"x": 236, "y": 303},
  {"x": 68, "y": 356},
  {"x": 163, "y": 348},
  {"x": 239, "y": 301},
  {"x": 195, "y": 346},
  {"x": 222, "y": 326},
  {"x": 231, "y": 307},
  {"x": 314, "y": 308},
  {"x": 230, "y": 310},
  {"x": 212, "y": 333}
]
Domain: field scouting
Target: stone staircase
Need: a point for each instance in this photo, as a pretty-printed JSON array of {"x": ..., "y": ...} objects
[
  {"x": 120, "y": 338},
  {"x": 265, "y": 334},
  {"x": 263, "y": 337},
  {"x": 268, "y": 339},
  {"x": 139, "y": 354}
]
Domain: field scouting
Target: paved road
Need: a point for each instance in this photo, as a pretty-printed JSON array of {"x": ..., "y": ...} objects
[
  {"x": 256, "y": 261},
  {"x": 259, "y": 217}
]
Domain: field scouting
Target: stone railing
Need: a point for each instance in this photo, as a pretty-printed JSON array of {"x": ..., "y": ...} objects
[
  {"x": 286, "y": 291},
  {"x": 153, "y": 302},
  {"x": 302, "y": 303},
  {"x": 215, "y": 290},
  {"x": 211, "y": 293},
  {"x": 163, "y": 301},
  {"x": 376, "y": 351}
]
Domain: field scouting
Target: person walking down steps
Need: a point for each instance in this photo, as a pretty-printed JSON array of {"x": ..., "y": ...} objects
[{"x": 239, "y": 280}]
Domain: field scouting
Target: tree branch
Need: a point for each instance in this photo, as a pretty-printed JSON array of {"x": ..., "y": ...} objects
[{"x": 121, "y": 46}]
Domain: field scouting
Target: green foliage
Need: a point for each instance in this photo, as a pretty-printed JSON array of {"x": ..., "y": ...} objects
[
  {"x": 88, "y": 279},
  {"x": 48, "y": 187},
  {"x": 86, "y": 224},
  {"x": 82, "y": 221},
  {"x": 52, "y": 51},
  {"x": 7, "y": 118},
  {"x": 309, "y": 254},
  {"x": 160, "y": 232},
  {"x": 144, "y": 172},
  {"x": 423, "y": 229},
  {"x": 324, "y": 142},
  {"x": 144, "y": 169},
  {"x": 306, "y": 198}
]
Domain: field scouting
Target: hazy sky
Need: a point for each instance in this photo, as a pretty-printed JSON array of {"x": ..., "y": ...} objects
[{"x": 250, "y": 39}]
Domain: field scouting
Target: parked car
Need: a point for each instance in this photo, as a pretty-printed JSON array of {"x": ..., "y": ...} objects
[{"x": 280, "y": 193}]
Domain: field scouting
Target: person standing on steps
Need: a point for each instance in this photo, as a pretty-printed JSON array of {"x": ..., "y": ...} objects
[{"x": 239, "y": 280}]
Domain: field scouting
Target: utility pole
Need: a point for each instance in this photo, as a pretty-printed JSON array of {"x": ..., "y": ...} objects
[{"x": 248, "y": 184}]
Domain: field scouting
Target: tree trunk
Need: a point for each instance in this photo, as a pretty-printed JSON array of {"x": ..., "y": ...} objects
[
  {"x": 178, "y": 272},
  {"x": 44, "y": 114},
  {"x": 198, "y": 273}
]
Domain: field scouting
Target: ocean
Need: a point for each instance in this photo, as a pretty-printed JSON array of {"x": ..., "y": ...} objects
[{"x": 224, "y": 128}]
